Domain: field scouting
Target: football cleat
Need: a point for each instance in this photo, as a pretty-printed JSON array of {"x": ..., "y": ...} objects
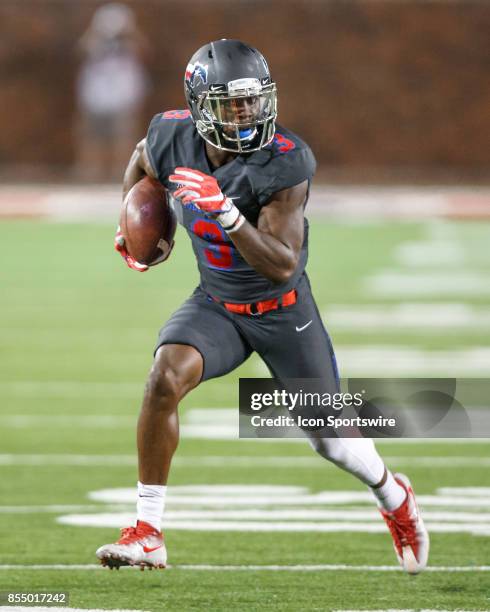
[
  {"x": 410, "y": 537},
  {"x": 141, "y": 545}
]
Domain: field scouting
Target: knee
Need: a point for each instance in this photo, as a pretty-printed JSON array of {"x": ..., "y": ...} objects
[
  {"x": 164, "y": 384},
  {"x": 172, "y": 375}
]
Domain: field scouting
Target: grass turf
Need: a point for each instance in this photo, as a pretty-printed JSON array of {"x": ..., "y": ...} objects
[{"x": 73, "y": 314}]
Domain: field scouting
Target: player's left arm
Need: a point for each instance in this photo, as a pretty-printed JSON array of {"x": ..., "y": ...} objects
[{"x": 274, "y": 247}]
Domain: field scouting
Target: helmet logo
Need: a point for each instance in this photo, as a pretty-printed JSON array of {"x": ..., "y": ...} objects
[{"x": 196, "y": 71}]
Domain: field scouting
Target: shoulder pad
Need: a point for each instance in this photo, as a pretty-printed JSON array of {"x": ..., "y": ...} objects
[
  {"x": 161, "y": 136},
  {"x": 285, "y": 162}
]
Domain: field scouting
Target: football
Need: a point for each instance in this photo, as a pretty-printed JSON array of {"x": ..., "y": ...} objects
[{"x": 148, "y": 222}]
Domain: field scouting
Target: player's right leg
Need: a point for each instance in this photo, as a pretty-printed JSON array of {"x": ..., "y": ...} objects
[
  {"x": 175, "y": 371},
  {"x": 199, "y": 342}
]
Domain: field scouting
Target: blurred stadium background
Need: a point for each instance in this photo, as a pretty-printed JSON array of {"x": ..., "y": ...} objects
[{"x": 394, "y": 98}]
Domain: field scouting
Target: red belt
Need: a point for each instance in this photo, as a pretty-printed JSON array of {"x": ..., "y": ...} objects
[{"x": 258, "y": 308}]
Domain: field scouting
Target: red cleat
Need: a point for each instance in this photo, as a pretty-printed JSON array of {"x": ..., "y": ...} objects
[
  {"x": 410, "y": 537},
  {"x": 141, "y": 545}
]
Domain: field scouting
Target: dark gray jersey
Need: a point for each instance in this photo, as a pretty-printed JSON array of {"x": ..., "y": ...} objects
[{"x": 250, "y": 181}]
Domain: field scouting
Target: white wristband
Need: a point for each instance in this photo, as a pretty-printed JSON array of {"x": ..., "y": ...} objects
[
  {"x": 229, "y": 217},
  {"x": 237, "y": 225}
]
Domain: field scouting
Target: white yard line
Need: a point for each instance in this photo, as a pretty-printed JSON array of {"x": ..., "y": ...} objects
[
  {"x": 213, "y": 496},
  {"x": 58, "y": 609},
  {"x": 237, "y": 461},
  {"x": 257, "y": 568},
  {"x": 218, "y": 431},
  {"x": 432, "y": 253},
  {"x": 266, "y": 508},
  {"x": 393, "y": 360},
  {"x": 173, "y": 515},
  {"x": 60, "y": 508},
  {"x": 401, "y": 361},
  {"x": 432, "y": 318},
  {"x": 402, "y": 284},
  {"x": 67, "y": 388},
  {"x": 118, "y": 520}
]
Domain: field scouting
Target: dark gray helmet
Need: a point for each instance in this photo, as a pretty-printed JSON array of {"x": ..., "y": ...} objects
[{"x": 231, "y": 96}]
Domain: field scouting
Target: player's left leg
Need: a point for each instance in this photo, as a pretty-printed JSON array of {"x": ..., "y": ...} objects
[{"x": 294, "y": 344}]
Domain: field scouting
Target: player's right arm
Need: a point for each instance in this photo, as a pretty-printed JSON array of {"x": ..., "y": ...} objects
[{"x": 139, "y": 166}]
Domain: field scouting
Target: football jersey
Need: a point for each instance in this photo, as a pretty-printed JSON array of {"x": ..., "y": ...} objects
[{"x": 249, "y": 180}]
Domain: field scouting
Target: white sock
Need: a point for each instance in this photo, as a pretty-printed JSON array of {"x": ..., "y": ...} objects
[
  {"x": 150, "y": 505},
  {"x": 391, "y": 495},
  {"x": 358, "y": 456}
]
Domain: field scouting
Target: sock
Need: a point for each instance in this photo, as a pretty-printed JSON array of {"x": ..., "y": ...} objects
[
  {"x": 358, "y": 456},
  {"x": 150, "y": 505},
  {"x": 390, "y": 495}
]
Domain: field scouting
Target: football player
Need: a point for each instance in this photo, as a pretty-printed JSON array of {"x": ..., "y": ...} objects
[{"x": 239, "y": 184}]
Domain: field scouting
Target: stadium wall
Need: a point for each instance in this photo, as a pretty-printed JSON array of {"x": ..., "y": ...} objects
[{"x": 369, "y": 83}]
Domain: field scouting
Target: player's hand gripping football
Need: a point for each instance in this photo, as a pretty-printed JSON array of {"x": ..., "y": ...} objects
[
  {"x": 204, "y": 191},
  {"x": 131, "y": 262}
]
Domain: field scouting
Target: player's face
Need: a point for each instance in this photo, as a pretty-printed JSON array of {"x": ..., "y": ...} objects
[
  {"x": 240, "y": 111},
  {"x": 238, "y": 117}
]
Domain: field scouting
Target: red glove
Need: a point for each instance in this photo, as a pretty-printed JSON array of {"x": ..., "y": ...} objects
[
  {"x": 119, "y": 245},
  {"x": 204, "y": 191}
]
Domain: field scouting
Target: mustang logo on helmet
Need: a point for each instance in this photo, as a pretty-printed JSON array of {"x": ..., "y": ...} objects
[{"x": 196, "y": 71}]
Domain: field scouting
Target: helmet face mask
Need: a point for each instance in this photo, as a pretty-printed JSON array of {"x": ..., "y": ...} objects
[{"x": 232, "y": 114}]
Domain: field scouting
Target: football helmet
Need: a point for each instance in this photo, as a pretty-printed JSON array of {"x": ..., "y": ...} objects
[{"x": 231, "y": 96}]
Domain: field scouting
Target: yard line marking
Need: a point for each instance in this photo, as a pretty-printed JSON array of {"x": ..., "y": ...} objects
[
  {"x": 201, "y": 426},
  {"x": 471, "y": 491},
  {"x": 23, "y": 421},
  {"x": 26, "y": 388},
  {"x": 329, "y": 567},
  {"x": 58, "y": 609},
  {"x": 265, "y": 508},
  {"x": 430, "y": 253},
  {"x": 395, "y": 361},
  {"x": 57, "y": 508},
  {"x": 257, "y": 568},
  {"x": 116, "y": 520},
  {"x": 395, "y": 284},
  {"x": 68, "y": 460},
  {"x": 215, "y": 496},
  {"x": 172, "y": 514},
  {"x": 237, "y": 461},
  {"x": 430, "y": 318},
  {"x": 50, "y": 609},
  {"x": 219, "y": 431},
  {"x": 400, "y": 361}
]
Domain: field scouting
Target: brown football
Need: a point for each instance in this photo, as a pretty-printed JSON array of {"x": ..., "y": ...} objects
[{"x": 148, "y": 222}]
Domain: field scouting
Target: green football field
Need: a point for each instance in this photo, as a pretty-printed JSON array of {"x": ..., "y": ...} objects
[{"x": 251, "y": 525}]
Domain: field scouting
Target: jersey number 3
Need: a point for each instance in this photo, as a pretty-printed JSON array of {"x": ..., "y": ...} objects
[{"x": 219, "y": 255}]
